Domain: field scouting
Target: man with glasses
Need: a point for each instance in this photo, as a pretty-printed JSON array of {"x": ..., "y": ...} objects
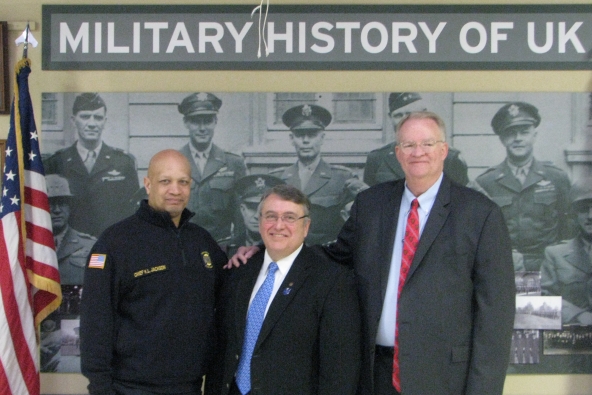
[
  {"x": 292, "y": 319},
  {"x": 382, "y": 164},
  {"x": 213, "y": 170},
  {"x": 248, "y": 191},
  {"x": 533, "y": 194},
  {"x": 433, "y": 265},
  {"x": 329, "y": 187}
]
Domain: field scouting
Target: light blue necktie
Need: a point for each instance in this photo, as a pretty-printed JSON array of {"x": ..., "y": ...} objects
[{"x": 255, "y": 318}]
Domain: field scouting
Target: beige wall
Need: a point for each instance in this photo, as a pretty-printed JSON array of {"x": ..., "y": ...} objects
[{"x": 320, "y": 81}]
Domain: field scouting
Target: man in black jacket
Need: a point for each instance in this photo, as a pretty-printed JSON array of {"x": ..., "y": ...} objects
[{"x": 150, "y": 287}]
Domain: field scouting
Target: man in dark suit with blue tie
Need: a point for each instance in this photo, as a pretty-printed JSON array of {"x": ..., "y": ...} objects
[
  {"x": 292, "y": 318},
  {"x": 452, "y": 315}
]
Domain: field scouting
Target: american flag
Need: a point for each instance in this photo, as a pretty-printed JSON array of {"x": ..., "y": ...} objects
[{"x": 29, "y": 276}]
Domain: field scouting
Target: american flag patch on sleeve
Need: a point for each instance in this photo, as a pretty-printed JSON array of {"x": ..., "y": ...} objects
[{"x": 97, "y": 261}]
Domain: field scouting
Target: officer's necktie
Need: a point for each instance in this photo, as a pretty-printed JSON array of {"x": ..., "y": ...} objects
[
  {"x": 255, "y": 318},
  {"x": 89, "y": 162},
  {"x": 409, "y": 246}
]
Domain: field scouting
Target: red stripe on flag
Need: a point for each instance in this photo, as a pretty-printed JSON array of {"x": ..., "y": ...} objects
[
  {"x": 11, "y": 311},
  {"x": 36, "y": 198},
  {"x": 40, "y": 235}
]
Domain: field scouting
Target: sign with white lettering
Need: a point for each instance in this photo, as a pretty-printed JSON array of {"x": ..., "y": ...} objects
[{"x": 317, "y": 37}]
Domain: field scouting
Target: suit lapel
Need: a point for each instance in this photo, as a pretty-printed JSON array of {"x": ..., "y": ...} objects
[
  {"x": 286, "y": 293},
  {"x": 216, "y": 161},
  {"x": 318, "y": 179},
  {"x": 577, "y": 256},
  {"x": 437, "y": 218}
]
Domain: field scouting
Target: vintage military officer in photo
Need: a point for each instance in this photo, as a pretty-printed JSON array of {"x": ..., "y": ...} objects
[
  {"x": 533, "y": 194},
  {"x": 382, "y": 164},
  {"x": 329, "y": 187},
  {"x": 72, "y": 247},
  {"x": 214, "y": 171},
  {"x": 101, "y": 178},
  {"x": 249, "y": 191},
  {"x": 567, "y": 269}
]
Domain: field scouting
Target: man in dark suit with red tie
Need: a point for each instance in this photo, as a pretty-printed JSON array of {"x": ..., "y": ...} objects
[
  {"x": 292, "y": 319},
  {"x": 452, "y": 314}
]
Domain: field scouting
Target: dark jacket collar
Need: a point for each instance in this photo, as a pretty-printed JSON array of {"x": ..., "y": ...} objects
[{"x": 161, "y": 218}]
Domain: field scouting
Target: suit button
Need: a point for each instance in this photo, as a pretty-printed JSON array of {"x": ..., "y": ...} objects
[
  {"x": 236, "y": 356},
  {"x": 227, "y": 385}
]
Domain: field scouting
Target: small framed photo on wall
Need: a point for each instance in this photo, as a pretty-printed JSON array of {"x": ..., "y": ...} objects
[{"x": 4, "y": 91}]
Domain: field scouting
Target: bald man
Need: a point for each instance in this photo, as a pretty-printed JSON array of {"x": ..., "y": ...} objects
[{"x": 150, "y": 290}]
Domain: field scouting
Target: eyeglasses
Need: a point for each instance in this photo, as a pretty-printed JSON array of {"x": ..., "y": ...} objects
[
  {"x": 286, "y": 218},
  {"x": 426, "y": 146}
]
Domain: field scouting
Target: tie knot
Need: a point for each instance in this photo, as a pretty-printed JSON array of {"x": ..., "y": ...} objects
[{"x": 414, "y": 204}]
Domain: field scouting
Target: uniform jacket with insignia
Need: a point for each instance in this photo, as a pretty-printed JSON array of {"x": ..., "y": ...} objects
[
  {"x": 382, "y": 165},
  {"x": 147, "y": 317},
  {"x": 328, "y": 195},
  {"x": 212, "y": 198},
  {"x": 536, "y": 212},
  {"x": 72, "y": 255},
  {"x": 102, "y": 197},
  {"x": 567, "y": 272}
]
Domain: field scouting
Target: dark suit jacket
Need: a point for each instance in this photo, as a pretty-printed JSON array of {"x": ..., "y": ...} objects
[
  {"x": 456, "y": 310},
  {"x": 310, "y": 339}
]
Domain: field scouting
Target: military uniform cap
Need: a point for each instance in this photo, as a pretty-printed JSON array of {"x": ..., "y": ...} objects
[
  {"x": 513, "y": 114},
  {"x": 581, "y": 190},
  {"x": 307, "y": 117},
  {"x": 401, "y": 99},
  {"x": 251, "y": 188},
  {"x": 57, "y": 186},
  {"x": 201, "y": 103},
  {"x": 88, "y": 101}
]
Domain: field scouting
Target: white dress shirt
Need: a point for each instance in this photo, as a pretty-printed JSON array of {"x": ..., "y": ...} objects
[{"x": 284, "y": 266}]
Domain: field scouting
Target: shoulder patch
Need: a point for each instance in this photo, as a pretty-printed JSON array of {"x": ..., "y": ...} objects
[{"x": 97, "y": 261}]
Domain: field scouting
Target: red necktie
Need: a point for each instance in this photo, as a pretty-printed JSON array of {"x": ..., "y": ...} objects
[{"x": 409, "y": 247}]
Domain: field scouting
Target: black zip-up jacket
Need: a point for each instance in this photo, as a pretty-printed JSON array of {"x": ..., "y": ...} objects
[{"x": 147, "y": 316}]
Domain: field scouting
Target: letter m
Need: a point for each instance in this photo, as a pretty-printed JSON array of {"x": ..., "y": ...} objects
[{"x": 66, "y": 37}]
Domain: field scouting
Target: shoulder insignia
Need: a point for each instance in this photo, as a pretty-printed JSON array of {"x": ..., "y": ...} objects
[
  {"x": 97, "y": 261},
  {"x": 207, "y": 260}
]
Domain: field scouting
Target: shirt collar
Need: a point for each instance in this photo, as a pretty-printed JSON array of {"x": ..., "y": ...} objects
[
  {"x": 83, "y": 152},
  {"x": 515, "y": 168},
  {"x": 284, "y": 264},
  {"x": 205, "y": 153},
  {"x": 426, "y": 199},
  {"x": 312, "y": 167}
]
